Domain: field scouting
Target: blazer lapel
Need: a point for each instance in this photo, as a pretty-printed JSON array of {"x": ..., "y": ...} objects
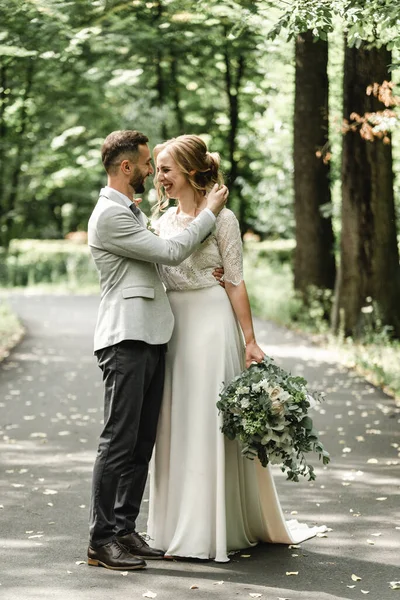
[{"x": 110, "y": 195}]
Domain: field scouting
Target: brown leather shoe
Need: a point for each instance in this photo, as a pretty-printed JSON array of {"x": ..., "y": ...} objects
[
  {"x": 114, "y": 556},
  {"x": 135, "y": 544}
]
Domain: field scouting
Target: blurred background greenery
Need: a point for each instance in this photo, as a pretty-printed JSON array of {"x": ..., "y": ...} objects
[{"x": 292, "y": 94}]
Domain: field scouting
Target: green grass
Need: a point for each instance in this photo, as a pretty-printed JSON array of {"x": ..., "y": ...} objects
[
  {"x": 11, "y": 329},
  {"x": 379, "y": 362}
]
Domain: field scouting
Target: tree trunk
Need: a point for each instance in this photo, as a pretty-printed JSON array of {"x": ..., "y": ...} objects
[
  {"x": 369, "y": 254},
  {"x": 314, "y": 263},
  {"x": 180, "y": 120},
  {"x": 15, "y": 175},
  {"x": 160, "y": 83},
  {"x": 233, "y": 80},
  {"x": 4, "y": 99}
]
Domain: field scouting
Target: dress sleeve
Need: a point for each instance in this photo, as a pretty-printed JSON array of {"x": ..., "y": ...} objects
[{"x": 230, "y": 246}]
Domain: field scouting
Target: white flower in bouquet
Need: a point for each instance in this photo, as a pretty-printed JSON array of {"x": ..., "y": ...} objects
[
  {"x": 284, "y": 396},
  {"x": 261, "y": 385},
  {"x": 275, "y": 392},
  {"x": 277, "y": 408},
  {"x": 242, "y": 390},
  {"x": 275, "y": 459},
  {"x": 266, "y": 410},
  {"x": 312, "y": 401}
]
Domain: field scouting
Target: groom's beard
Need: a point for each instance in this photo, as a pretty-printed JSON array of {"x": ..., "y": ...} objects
[{"x": 137, "y": 181}]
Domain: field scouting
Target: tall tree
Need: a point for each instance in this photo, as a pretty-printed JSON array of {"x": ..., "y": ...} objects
[
  {"x": 369, "y": 271},
  {"x": 369, "y": 252},
  {"x": 314, "y": 263}
]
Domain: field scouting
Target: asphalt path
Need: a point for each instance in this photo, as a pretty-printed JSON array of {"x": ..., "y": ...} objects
[{"x": 50, "y": 418}]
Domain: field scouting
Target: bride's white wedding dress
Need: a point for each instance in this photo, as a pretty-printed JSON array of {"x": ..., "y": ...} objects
[{"x": 206, "y": 499}]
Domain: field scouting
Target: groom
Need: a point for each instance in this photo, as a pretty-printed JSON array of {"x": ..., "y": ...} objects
[{"x": 134, "y": 324}]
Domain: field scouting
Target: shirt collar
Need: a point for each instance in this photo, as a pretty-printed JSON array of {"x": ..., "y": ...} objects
[{"x": 127, "y": 200}]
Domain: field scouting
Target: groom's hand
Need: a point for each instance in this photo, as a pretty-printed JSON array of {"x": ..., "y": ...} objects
[{"x": 218, "y": 273}]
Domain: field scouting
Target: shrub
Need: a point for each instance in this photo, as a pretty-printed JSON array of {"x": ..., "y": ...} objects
[
  {"x": 275, "y": 251},
  {"x": 30, "y": 262},
  {"x": 11, "y": 329},
  {"x": 272, "y": 296}
]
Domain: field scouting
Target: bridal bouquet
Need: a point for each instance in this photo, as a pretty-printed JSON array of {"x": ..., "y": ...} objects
[{"x": 266, "y": 409}]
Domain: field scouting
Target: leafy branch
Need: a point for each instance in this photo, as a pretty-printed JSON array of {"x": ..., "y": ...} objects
[{"x": 378, "y": 124}]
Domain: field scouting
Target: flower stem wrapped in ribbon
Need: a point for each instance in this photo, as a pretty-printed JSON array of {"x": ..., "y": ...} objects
[{"x": 266, "y": 409}]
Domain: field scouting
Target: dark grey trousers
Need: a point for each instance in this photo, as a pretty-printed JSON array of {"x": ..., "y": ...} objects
[{"x": 133, "y": 375}]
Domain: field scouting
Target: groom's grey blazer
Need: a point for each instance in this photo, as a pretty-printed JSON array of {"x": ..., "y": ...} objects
[{"x": 134, "y": 304}]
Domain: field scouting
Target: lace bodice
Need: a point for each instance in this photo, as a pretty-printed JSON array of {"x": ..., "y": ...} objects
[{"x": 223, "y": 248}]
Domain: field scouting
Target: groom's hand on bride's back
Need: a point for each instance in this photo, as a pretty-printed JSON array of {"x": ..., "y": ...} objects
[
  {"x": 218, "y": 274},
  {"x": 217, "y": 198}
]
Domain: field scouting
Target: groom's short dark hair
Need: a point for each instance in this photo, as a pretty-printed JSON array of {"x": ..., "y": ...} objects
[{"x": 119, "y": 145}]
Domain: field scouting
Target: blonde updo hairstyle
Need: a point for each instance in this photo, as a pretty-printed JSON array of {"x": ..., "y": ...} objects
[{"x": 200, "y": 167}]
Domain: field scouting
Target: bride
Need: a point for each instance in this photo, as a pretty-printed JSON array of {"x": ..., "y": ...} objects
[{"x": 206, "y": 499}]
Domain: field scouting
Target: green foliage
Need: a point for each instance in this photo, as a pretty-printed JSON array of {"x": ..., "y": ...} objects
[
  {"x": 305, "y": 15},
  {"x": 275, "y": 251},
  {"x": 49, "y": 114},
  {"x": 269, "y": 283},
  {"x": 71, "y": 72},
  {"x": 30, "y": 262},
  {"x": 314, "y": 309},
  {"x": 272, "y": 296},
  {"x": 378, "y": 361},
  {"x": 375, "y": 21},
  {"x": 372, "y": 21}
]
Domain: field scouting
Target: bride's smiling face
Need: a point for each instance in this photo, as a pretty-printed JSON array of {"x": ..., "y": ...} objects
[{"x": 170, "y": 176}]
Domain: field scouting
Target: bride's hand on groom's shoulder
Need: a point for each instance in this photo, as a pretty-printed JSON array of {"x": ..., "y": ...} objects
[
  {"x": 253, "y": 353},
  {"x": 217, "y": 198}
]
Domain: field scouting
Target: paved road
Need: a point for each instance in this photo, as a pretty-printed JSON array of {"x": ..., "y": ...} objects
[{"x": 50, "y": 414}]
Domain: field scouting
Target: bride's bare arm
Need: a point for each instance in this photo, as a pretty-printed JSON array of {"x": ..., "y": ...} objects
[
  {"x": 240, "y": 303},
  {"x": 230, "y": 246}
]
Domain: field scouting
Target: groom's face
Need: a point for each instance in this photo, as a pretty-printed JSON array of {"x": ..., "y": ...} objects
[{"x": 142, "y": 168}]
